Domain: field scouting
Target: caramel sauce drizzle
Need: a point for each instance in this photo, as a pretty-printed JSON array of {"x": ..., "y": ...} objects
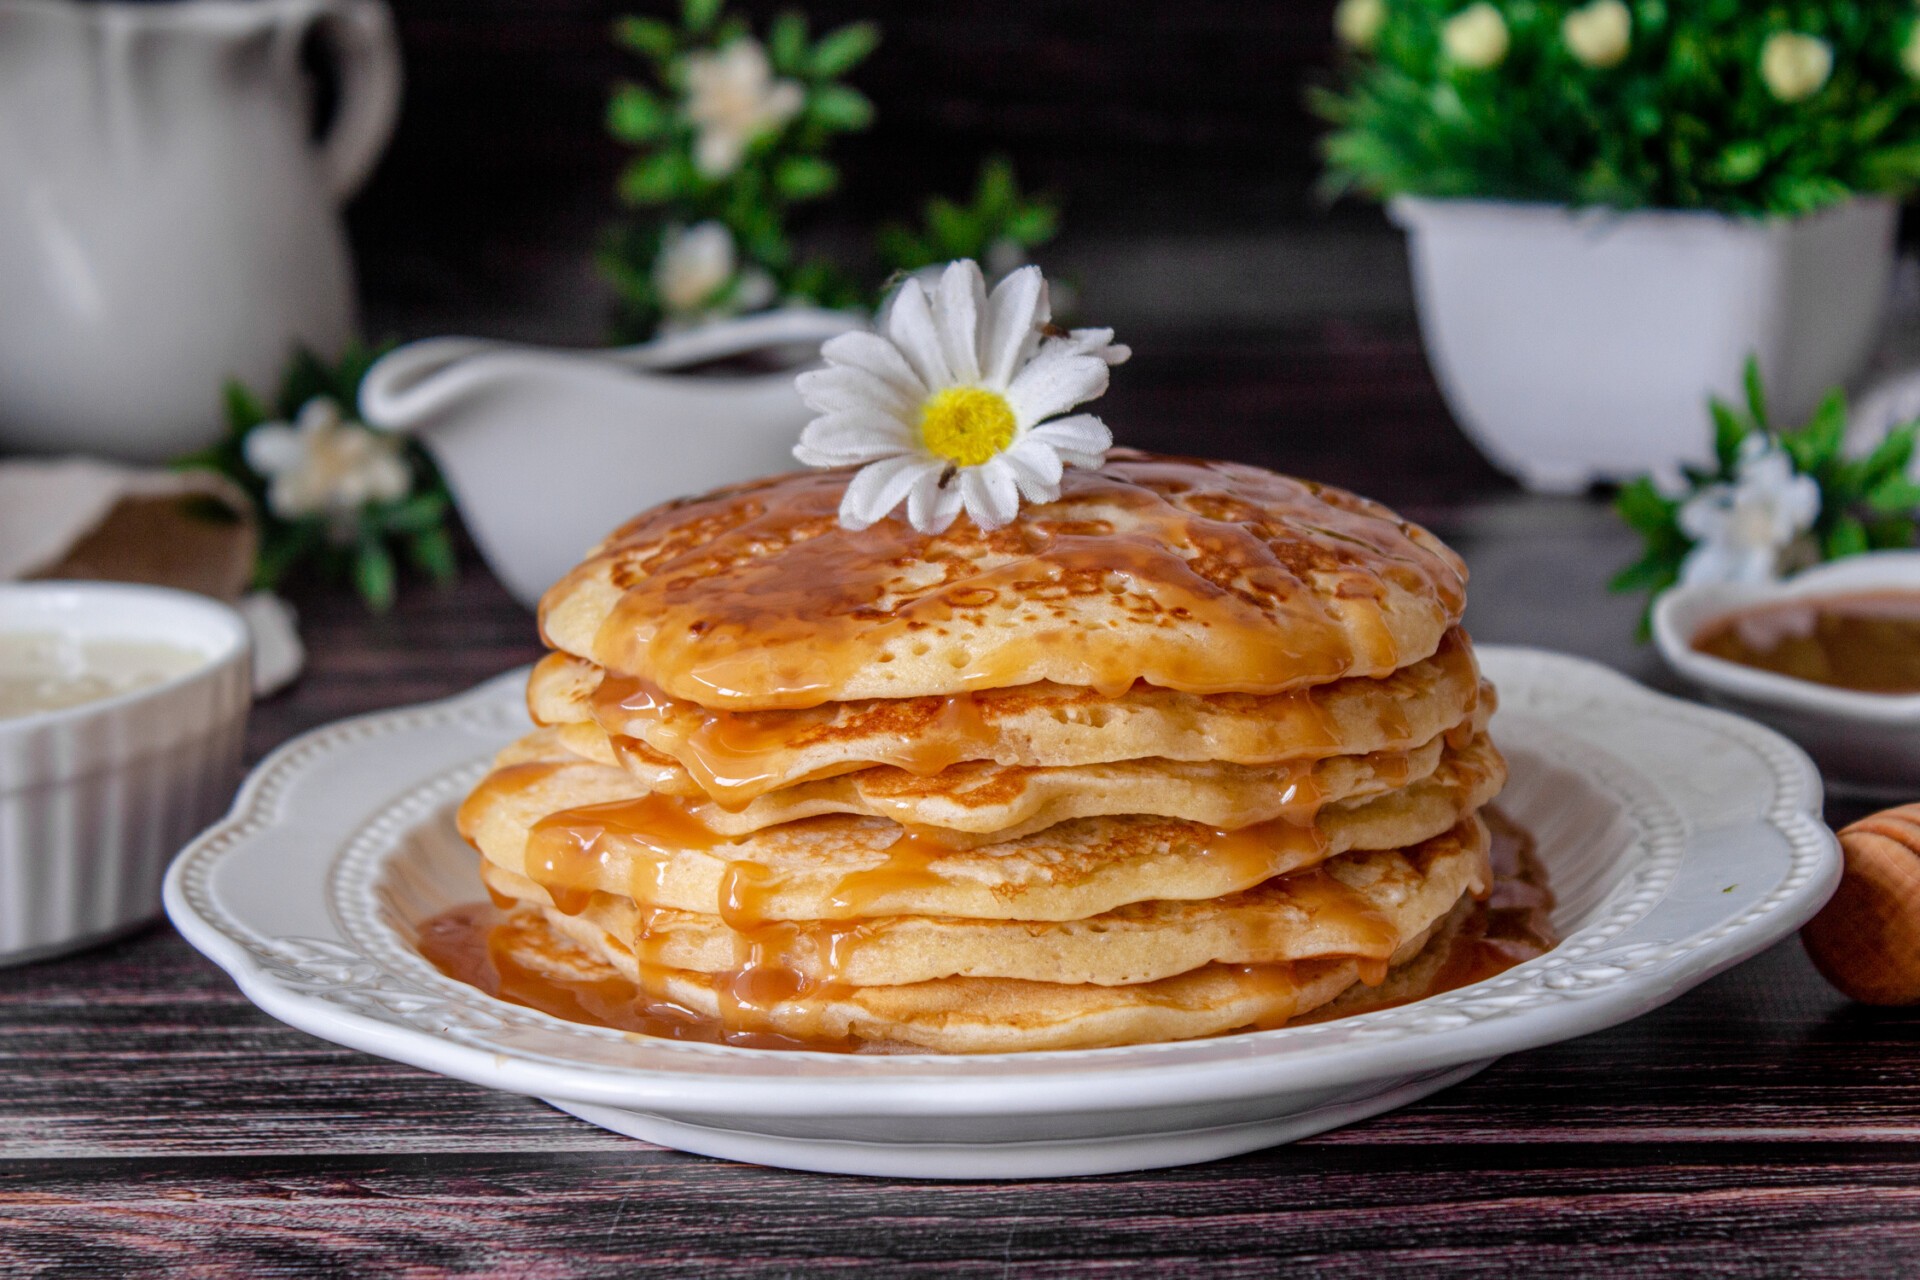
[
  {"x": 472, "y": 944},
  {"x": 758, "y": 598},
  {"x": 731, "y": 754}
]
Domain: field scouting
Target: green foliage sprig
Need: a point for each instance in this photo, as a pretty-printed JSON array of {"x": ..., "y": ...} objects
[
  {"x": 1729, "y": 105},
  {"x": 364, "y": 545},
  {"x": 705, "y": 241},
  {"x": 1866, "y": 503},
  {"x": 783, "y": 164},
  {"x": 998, "y": 227}
]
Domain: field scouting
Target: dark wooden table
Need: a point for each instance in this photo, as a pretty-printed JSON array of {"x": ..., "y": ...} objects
[{"x": 153, "y": 1122}]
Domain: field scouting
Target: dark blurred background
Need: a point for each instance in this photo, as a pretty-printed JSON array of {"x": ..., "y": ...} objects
[{"x": 1269, "y": 325}]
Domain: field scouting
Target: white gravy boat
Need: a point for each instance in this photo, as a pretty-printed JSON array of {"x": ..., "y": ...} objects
[{"x": 549, "y": 450}]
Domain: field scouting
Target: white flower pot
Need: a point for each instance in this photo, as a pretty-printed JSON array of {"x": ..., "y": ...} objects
[
  {"x": 1581, "y": 345},
  {"x": 547, "y": 451}
]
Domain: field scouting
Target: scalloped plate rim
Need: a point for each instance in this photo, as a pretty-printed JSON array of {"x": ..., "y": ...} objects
[{"x": 1233, "y": 1068}]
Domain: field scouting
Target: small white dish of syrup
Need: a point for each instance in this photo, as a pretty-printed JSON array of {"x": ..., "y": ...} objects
[{"x": 1830, "y": 657}]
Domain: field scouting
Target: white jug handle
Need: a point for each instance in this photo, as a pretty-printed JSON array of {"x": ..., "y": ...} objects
[{"x": 369, "y": 52}]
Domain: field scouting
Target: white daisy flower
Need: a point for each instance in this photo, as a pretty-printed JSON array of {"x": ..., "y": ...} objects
[
  {"x": 734, "y": 100},
  {"x": 323, "y": 464},
  {"x": 953, "y": 405},
  {"x": 1740, "y": 530}
]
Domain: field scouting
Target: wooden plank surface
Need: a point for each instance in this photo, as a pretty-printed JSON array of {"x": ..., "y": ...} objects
[{"x": 154, "y": 1122}]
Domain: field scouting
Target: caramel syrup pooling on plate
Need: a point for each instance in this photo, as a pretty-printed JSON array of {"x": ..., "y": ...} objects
[
  {"x": 1868, "y": 642},
  {"x": 475, "y": 944},
  {"x": 1206, "y": 578}
]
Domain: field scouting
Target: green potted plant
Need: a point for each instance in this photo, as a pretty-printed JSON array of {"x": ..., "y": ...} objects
[{"x": 1611, "y": 203}]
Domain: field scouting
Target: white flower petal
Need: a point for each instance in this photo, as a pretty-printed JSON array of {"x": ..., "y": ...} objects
[
  {"x": 1099, "y": 344},
  {"x": 875, "y": 355},
  {"x": 843, "y": 438},
  {"x": 845, "y": 388},
  {"x": 1801, "y": 503},
  {"x": 932, "y": 508},
  {"x": 877, "y": 489},
  {"x": 911, "y": 326},
  {"x": 1081, "y": 433},
  {"x": 717, "y": 151},
  {"x": 1053, "y": 382},
  {"x": 1015, "y": 313},
  {"x": 990, "y": 494},
  {"x": 320, "y": 414},
  {"x": 1036, "y": 468},
  {"x": 387, "y": 478},
  {"x": 957, "y": 314},
  {"x": 273, "y": 447}
]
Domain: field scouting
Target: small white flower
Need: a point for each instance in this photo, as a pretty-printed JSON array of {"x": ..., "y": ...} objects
[
  {"x": 1358, "y": 22},
  {"x": 1795, "y": 66},
  {"x": 952, "y": 405},
  {"x": 699, "y": 280},
  {"x": 1599, "y": 34},
  {"x": 1476, "y": 37},
  {"x": 1741, "y": 529},
  {"x": 734, "y": 100},
  {"x": 693, "y": 265},
  {"x": 1910, "y": 52},
  {"x": 322, "y": 464}
]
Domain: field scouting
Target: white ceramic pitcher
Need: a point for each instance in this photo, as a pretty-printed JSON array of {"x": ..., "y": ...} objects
[{"x": 166, "y": 219}]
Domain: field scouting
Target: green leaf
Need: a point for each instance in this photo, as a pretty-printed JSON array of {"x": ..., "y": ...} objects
[
  {"x": 1893, "y": 496},
  {"x": 647, "y": 36},
  {"x": 1848, "y": 537},
  {"x": 1892, "y": 455},
  {"x": 805, "y": 177},
  {"x": 1728, "y": 432},
  {"x": 658, "y": 178},
  {"x": 281, "y": 549},
  {"x": 1816, "y": 446},
  {"x": 1033, "y": 226},
  {"x": 1645, "y": 509},
  {"x": 418, "y": 514},
  {"x": 698, "y": 15},
  {"x": 243, "y": 410},
  {"x": 634, "y": 115},
  {"x": 835, "y": 106},
  {"x": 432, "y": 554},
  {"x": 841, "y": 51},
  {"x": 1655, "y": 572},
  {"x": 787, "y": 44},
  {"x": 1740, "y": 162},
  {"x": 373, "y": 574},
  {"x": 1756, "y": 394}
]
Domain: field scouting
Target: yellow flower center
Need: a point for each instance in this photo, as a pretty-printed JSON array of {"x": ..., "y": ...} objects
[{"x": 966, "y": 425}]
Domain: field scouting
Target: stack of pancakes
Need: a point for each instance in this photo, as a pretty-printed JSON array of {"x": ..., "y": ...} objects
[{"x": 1195, "y": 748}]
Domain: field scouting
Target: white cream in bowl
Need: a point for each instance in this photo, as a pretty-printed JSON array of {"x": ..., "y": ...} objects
[
  {"x": 122, "y": 717},
  {"x": 53, "y": 670}
]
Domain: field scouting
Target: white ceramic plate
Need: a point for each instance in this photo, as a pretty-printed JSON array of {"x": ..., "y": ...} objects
[{"x": 1679, "y": 839}]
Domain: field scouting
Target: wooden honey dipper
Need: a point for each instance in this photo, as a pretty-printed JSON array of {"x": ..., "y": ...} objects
[{"x": 1866, "y": 940}]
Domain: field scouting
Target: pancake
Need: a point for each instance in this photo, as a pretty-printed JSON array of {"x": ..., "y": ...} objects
[
  {"x": 1201, "y": 577},
  {"x": 1360, "y": 905},
  {"x": 980, "y": 802},
  {"x": 579, "y": 828},
  {"x": 966, "y": 1015},
  {"x": 736, "y": 757}
]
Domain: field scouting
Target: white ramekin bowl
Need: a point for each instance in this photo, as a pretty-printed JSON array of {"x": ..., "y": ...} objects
[
  {"x": 95, "y": 799},
  {"x": 1867, "y": 743}
]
